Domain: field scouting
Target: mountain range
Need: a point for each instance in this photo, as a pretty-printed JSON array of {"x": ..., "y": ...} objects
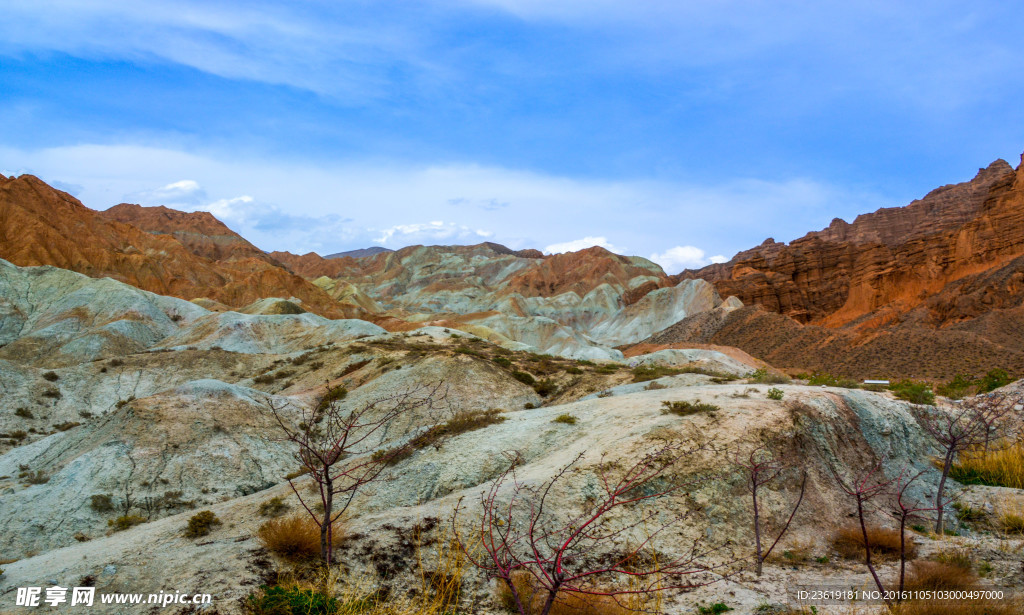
[{"x": 931, "y": 289}]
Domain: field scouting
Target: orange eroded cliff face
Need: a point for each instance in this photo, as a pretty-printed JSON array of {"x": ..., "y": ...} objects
[
  {"x": 890, "y": 261},
  {"x": 156, "y": 249}
]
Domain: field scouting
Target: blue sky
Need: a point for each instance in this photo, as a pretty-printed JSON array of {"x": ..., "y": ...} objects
[{"x": 679, "y": 130}]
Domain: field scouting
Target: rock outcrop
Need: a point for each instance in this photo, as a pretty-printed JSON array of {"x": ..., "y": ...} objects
[{"x": 40, "y": 225}]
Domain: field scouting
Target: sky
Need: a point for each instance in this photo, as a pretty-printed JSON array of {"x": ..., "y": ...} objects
[{"x": 678, "y": 130}]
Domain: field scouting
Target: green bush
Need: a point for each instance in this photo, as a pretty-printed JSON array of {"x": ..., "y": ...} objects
[
  {"x": 273, "y": 507},
  {"x": 567, "y": 419},
  {"x": 643, "y": 373},
  {"x": 714, "y": 609},
  {"x": 524, "y": 378},
  {"x": 993, "y": 380},
  {"x": 278, "y": 600},
  {"x": 960, "y": 386},
  {"x": 774, "y": 393},
  {"x": 101, "y": 502},
  {"x": 914, "y": 392},
  {"x": 51, "y": 376},
  {"x": 201, "y": 524},
  {"x": 545, "y": 387},
  {"x": 686, "y": 408},
  {"x": 826, "y": 379},
  {"x": 126, "y": 521},
  {"x": 332, "y": 395},
  {"x": 502, "y": 361},
  {"x": 761, "y": 375}
]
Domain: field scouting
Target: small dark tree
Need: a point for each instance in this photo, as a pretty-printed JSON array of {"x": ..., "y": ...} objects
[
  {"x": 569, "y": 555},
  {"x": 904, "y": 509},
  {"x": 335, "y": 447},
  {"x": 864, "y": 489},
  {"x": 978, "y": 421},
  {"x": 761, "y": 467}
]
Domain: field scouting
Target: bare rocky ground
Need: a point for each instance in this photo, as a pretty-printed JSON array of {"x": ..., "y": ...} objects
[{"x": 171, "y": 405}]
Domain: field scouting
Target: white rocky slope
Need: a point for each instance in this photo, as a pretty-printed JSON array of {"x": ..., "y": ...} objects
[{"x": 818, "y": 427}]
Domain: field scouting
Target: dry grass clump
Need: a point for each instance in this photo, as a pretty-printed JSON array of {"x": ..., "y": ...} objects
[
  {"x": 565, "y": 604},
  {"x": 296, "y": 537},
  {"x": 1001, "y": 466},
  {"x": 885, "y": 543},
  {"x": 686, "y": 408},
  {"x": 926, "y": 575},
  {"x": 961, "y": 558},
  {"x": 459, "y": 423}
]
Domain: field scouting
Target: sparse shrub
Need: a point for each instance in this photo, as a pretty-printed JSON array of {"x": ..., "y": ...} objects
[
  {"x": 643, "y": 373},
  {"x": 606, "y": 368},
  {"x": 469, "y": 351},
  {"x": 66, "y": 425},
  {"x": 961, "y": 558},
  {"x": 460, "y": 422},
  {"x": 51, "y": 393},
  {"x": 274, "y": 507},
  {"x": 545, "y": 387},
  {"x": 296, "y": 537},
  {"x": 885, "y": 543},
  {"x": 761, "y": 375},
  {"x": 18, "y": 435},
  {"x": 121, "y": 403},
  {"x": 116, "y": 363},
  {"x": 573, "y": 370},
  {"x": 606, "y": 393},
  {"x": 82, "y": 537},
  {"x": 566, "y": 419},
  {"x": 264, "y": 379},
  {"x": 51, "y": 376},
  {"x": 296, "y": 474},
  {"x": 914, "y": 392},
  {"x": 502, "y": 361},
  {"x": 24, "y": 413},
  {"x": 85, "y": 414},
  {"x": 35, "y": 478},
  {"x": 654, "y": 385},
  {"x": 295, "y": 600},
  {"x": 774, "y": 393},
  {"x": 201, "y": 524},
  {"x": 332, "y": 395},
  {"x": 125, "y": 522},
  {"x": 993, "y": 380},
  {"x": 524, "y": 377},
  {"x": 714, "y": 609},
  {"x": 101, "y": 502},
  {"x": 826, "y": 379},
  {"x": 967, "y": 514},
  {"x": 960, "y": 386},
  {"x": 686, "y": 408}
]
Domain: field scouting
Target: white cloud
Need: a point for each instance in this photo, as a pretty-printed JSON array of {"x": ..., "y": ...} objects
[
  {"x": 178, "y": 194},
  {"x": 437, "y": 230},
  {"x": 301, "y": 207},
  {"x": 582, "y": 244},
  {"x": 678, "y": 258}
]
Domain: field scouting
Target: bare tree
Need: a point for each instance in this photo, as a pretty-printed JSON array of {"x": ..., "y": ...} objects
[
  {"x": 978, "y": 421},
  {"x": 570, "y": 555},
  {"x": 761, "y": 467},
  {"x": 906, "y": 508},
  {"x": 864, "y": 489},
  {"x": 343, "y": 449}
]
